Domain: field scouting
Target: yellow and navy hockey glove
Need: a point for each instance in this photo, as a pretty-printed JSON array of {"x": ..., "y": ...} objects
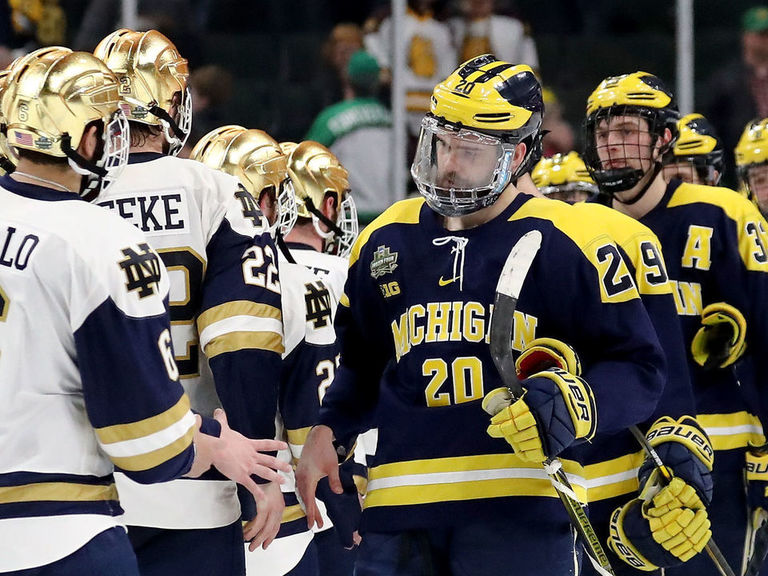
[
  {"x": 685, "y": 450},
  {"x": 721, "y": 340},
  {"x": 557, "y": 408},
  {"x": 757, "y": 492},
  {"x": 664, "y": 530},
  {"x": 543, "y": 353}
]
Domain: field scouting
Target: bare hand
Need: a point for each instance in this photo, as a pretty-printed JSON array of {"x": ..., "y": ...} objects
[
  {"x": 261, "y": 531},
  {"x": 318, "y": 460},
  {"x": 238, "y": 457}
]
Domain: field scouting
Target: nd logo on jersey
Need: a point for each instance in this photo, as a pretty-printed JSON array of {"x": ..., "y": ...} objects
[{"x": 142, "y": 269}]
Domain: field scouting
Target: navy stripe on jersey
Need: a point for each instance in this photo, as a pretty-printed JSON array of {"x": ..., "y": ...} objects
[{"x": 129, "y": 395}]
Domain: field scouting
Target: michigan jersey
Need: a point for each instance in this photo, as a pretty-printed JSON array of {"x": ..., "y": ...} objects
[
  {"x": 613, "y": 462},
  {"x": 716, "y": 249},
  {"x": 87, "y": 378},
  {"x": 224, "y": 305},
  {"x": 414, "y": 331}
]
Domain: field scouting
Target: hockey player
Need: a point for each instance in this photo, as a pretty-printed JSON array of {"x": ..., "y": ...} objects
[
  {"x": 564, "y": 177},
  {"x": 714, "y": 244},
  {"x": 752, "y": 162},
  {"x": 443, "y": 496},
  {"x": 225, "y": 305},
  {"x": 88, "y": 382},
  {"x": 321, "y": 185},
  {"x": 697, "y": 156},
  {"x": 310, "y": 348}
]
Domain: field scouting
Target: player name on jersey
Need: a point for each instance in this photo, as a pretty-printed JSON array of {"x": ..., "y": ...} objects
[
  {"x": 18, "y": 247},
  {"x": 153, "y": 212},
  {"x": 454, "y": 322}
]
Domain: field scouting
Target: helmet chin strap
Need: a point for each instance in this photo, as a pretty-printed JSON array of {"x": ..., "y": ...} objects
[
  {"x": 323, "y": 218},
  {"x": 657, "y": 166}
]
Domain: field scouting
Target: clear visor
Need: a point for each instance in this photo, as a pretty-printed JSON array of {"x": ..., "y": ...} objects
[
  {"x": 460, "y": 167},
  {"x": 571, "y": 192}
]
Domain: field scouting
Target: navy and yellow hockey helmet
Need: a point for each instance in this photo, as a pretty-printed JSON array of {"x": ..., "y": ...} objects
[
  {"x": 636, "y": 94},
  {"x": 564, "y": 177},
  {"x": 485, "y": 108},
  {"x": 751, "y": 151},
  {"x": 698, "y": 147}
]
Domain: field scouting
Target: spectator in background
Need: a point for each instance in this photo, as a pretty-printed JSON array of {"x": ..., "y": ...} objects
[
  {"x": 480, "y": 31},
  {"x": 344, "y": 40},
  {"x": 558, "y": 138},
  {"x": 430, "y": 57},
  {"x": 211, "y": 88},
  {"x": 358, "y": 131},
  {"x": 738, "y": 92}
]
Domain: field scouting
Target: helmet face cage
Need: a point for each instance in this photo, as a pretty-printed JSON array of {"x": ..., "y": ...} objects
[
  {"x": 116, "y": 140},
  {"x": 287, "y": 211},
  {"x": 477, "y": 167},
  {"x": 571, "y": 192},
  {"x": 621, "y": 144},
  {"x": 347, "y": 223},
  {"x": 176, "y": 141},
  {"x": 695, "y": 169}
]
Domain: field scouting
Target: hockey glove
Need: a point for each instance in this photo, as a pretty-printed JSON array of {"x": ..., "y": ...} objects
[
  {"x": 757, "y": 492},
  {"x": 721, "y": 340},
  {"x": 543, "y": 353},
  {"x": 685, "y": 450},
  {"x": 667, "y": 530},
  {"x": 556, "y": 409}
]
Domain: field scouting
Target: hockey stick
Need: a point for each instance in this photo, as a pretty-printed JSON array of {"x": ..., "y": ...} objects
[
  {"x": 507, "y": 292},
  {"x": 712, "y": 549}
]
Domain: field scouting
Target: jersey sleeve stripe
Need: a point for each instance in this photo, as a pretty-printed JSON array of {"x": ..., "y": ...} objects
[
  {"x": 291, "y": 513},
  {"x": 234, "y": 341},
  {"x": 298, "y": 436},
  {"x": 237, "y": 324},
  {"x": 57, "y": 491},
  {"x": 133, "y": 430},
  {"x": 236, "y": 308},
  {"x": 151, "y": 442},
  {"x": 155, "y": 458},
  {"x": 734, "y": 430}
]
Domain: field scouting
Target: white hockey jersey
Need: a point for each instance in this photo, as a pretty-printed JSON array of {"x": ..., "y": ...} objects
[
  {"x": 224, "y": 306},
  {"x": 332, "y": 270},
  {"x": 87, "y": 379}
]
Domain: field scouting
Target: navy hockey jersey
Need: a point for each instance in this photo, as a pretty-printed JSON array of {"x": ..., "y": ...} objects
[{"x": 414, "y": 326}]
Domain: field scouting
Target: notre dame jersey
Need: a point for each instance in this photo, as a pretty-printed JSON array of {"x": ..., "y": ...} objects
[
  {"x": 225, "y": 311},
  {"x": 87, "y": 378},
  {"x": 332, "y": 270},
  {"x": 716, "y": 249},
  {"x": 414, "y": 329}
]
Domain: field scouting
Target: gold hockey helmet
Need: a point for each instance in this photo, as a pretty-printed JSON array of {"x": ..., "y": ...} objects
[
  {"x": 316, "y": 172},
  {"x": 256, "y": 159},
  {"x": 51, "y": 96},
  {"x": 153, "y": 81}
]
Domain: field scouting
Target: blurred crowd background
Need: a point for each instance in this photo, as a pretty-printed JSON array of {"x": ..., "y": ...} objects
[{"x": 276, "y": 64}]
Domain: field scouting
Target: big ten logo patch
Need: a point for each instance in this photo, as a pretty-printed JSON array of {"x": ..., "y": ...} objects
[
  {"x": 318, "y": 304},
  {"x": 389, "y": 289},
  {"x": 142, "y": 269}
]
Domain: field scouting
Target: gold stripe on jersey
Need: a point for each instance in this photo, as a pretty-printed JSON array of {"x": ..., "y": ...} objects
[
  {"x": 57, "y": 492},
  {"x": 133, "y": 430},
  {"x": 751, "y": 226},
  {"x": 291, "y": 513},
  {"x": 462, "y": 478},
  {"x": 298, "y": 437},
  {"x": 234, "y": 341},
  {"x": 403, "y": 212},
  {"x": 582, "y": 233},
  {"x": 236, "y": 308},
  {"x": 156, "y": 457},
  {"x": 639, "y": 243},
  {"x": 734, "y": 430}
]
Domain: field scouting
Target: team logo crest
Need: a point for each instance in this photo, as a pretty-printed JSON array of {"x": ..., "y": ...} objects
[
  {"x": 142, "y": 269},
  {"x": 384, "y": 262},
  {"x": 318, "y": 303},
  {"x": 249, "y": 206}
]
